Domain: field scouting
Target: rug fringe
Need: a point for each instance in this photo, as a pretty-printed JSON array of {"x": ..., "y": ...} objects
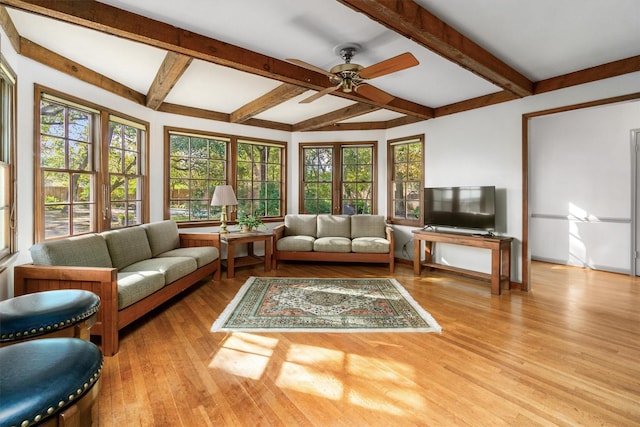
[{"x": 218, "y": 324}]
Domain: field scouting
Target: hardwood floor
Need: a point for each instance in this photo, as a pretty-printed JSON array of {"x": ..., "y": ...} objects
[{"x": 566, "y": 353}]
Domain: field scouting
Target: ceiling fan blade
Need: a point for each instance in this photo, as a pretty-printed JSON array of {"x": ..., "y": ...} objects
[
  {"x": 374, "y": 94},
  {"x": 317, "y": 95},
  {"x": 388, "y": 66},
  {"x": 309, "y": 66}
]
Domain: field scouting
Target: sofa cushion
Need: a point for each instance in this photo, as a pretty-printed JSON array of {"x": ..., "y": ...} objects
[
  {"x": 334, "y": 226},
  {"x": 82, "y": 251},
  {"x": 300, "y": 225},
  {"x": 127, "y": 245},
  {"x": 367, "y": 226},
  {"x": 370, "y": 245},
  {"x": 202, "y": 254},
  {"x": 173, "y": 268},
  {"x": 136, "y": 285},
  {"x": 332, "y": 244},
  {"x": 295, "y": 244},
  {"x": 163, "y": 236}
]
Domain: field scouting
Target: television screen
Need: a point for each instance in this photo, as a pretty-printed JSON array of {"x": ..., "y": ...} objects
[{"x": 460, "y": 207}]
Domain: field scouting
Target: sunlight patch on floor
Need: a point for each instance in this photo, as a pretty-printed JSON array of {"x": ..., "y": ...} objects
[
  {"x": 369, "y": 382},
  {"x": 310, "y": 380},
  {"x": 377, "y": 384},
  {"x": 245, "y": 355},
  {"x": 321, "y": 358}
]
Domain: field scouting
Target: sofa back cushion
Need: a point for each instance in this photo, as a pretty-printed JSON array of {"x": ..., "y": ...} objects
[
  {"x": 163, "y": 236},
  {"x": 82, "y": 251},
  {"x": 367, "y": 226},
  {"x": 127, "y": 245},
  {"x": 300, "y": 225},
  {"x": 334, "y": 226}
]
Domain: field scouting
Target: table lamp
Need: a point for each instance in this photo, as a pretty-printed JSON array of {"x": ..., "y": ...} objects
[{"x": 223, "y": 196}]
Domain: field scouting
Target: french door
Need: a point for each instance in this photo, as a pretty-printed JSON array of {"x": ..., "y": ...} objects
[{"x": 338, "y": 178}]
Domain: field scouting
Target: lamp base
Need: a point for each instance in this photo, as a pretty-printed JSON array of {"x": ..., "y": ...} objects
[{"x": 223, "y": 220}]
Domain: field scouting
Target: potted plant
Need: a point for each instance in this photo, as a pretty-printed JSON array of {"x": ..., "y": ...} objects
[{"x": 249, "y": 223}]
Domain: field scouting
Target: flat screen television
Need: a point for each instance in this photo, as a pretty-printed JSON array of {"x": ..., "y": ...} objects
[{"x": 471, "y": 208}]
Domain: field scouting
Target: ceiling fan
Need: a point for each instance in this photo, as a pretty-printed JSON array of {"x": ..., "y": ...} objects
[{"x": 350, "y": 77}]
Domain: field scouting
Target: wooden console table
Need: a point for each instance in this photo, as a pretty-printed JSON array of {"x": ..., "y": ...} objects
[
  {"x": 232, "y": 239},
  {"x": 500, "y": 247}
]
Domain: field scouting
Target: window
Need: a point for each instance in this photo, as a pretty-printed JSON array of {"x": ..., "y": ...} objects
[
  {"x": 405, "y": 164},
  {"x": 75, "y": 193},
  {"x": 126, "y": 179},
  {"x": 198, "y": 162},
  {"x": 338, "y": 178},
  {"x": 260, "y": 181},
  {"x": 67, "y": 168},
  {"x": 7, "y": 159}
]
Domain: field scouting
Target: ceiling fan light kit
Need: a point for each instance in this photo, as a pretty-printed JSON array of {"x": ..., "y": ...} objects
[{"x": 350, "y": 77}]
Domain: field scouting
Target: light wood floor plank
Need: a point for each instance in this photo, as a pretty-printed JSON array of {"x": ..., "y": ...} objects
[{"x": 566, "y": 353}]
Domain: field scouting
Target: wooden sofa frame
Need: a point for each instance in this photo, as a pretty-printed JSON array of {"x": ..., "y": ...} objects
[
  {"x": 103, "y": 282},
  {"x": 278, "y": 233}
]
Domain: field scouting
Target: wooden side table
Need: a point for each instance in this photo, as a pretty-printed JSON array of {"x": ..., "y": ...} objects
[{"x": 232, "y": 239}]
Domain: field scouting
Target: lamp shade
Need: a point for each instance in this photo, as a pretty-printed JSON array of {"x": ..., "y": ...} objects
[{"x": 223, "y": 195}]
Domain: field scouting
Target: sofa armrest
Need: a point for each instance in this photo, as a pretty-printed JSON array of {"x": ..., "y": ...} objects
[
  {"x": 278, "y": 232},
  {"x": 389, "y": 234},
  {"x": 102, "y": 281},
  {"x": 190, "y": 240}
]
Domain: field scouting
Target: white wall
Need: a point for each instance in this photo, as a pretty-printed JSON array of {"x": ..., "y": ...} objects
[
  {"x": 580, "y": 186},
  {"x": 483, "y": 146},
  {"x": 476, "y": 147}
]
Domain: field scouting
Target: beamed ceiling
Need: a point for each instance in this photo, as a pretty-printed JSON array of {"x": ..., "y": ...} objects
[{"x": 227, "y": 60}]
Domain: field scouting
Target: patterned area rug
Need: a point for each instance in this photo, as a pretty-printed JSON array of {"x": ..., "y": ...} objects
[{"x": 285, "y": 304}]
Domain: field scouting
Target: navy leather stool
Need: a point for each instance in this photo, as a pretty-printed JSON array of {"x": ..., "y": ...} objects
[
  {"x": 60, "y": 313},
  {"x": 49, "y": 382}
]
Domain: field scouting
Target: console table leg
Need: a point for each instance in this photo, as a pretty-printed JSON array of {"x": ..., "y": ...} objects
[
  {"x": 506, "y": 266},
  {"x": 416, "y": 257},
  {"x": 495, "y": 271}
]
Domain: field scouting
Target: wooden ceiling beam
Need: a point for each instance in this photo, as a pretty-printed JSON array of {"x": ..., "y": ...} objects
[
  {"x": 58, "y": 62},
  {"x": 351, "y": 111},
  {"x": 269, "y": 100},
  {"x": 9, "y": 29},
  {"x": 400, "y": 121},
  {"x": 418, "y": 24},
  {"x": 588, "y": 75},
  {"x": 201, "y": 113},
  {"x": 473, "y": 103},
  {"x": 111, "y": 20},
  {"x": 172, "y": 68}
]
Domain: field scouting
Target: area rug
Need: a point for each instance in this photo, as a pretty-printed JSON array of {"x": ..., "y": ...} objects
[{"x": 285, "y": 304}]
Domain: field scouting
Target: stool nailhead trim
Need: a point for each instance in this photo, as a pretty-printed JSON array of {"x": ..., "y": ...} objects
[
  {"x": 58, "y": 325},
  {"x": 51, "y": 409}
]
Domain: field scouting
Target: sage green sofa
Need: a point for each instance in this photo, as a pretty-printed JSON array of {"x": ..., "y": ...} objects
[
  {"x": 335, "y": 238},
  {"x": 132, "y": 270}
]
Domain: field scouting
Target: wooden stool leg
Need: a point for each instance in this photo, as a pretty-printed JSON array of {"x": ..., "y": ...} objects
[{"x": 79, "y": 415}]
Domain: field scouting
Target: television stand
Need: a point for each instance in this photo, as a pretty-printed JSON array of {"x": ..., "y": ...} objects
[{"x": 500, "y": 247}]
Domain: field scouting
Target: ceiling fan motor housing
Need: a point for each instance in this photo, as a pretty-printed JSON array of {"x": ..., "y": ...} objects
[{"x": 347, "y": 75}]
